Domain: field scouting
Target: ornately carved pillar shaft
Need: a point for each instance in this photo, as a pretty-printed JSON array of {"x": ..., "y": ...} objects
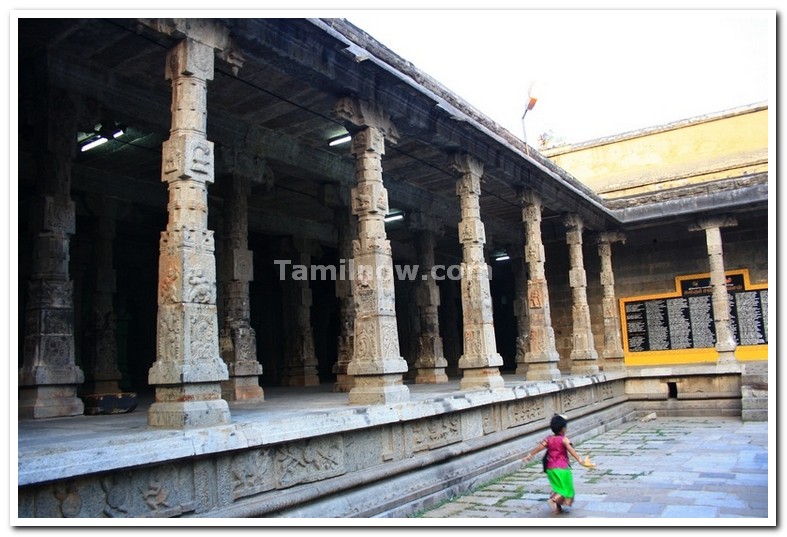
[
  {"x": 188, "y": 370},
  {"x": 481, "y": 361},
  {"x": 300, "y": 360},
  {"x": 542, "y": 356},
  {"x": 237, "y": 339},
  {"x": 49, "y": 376},
  {"x": 584, "y": 358},
  {"x": 430, "y": 363},
  {"x": 613, "y": 356},
  {"x": 105, "y": 373},
  {"x": 347, "y": 228},
  {"x": 725, "y": 340},
  {"x": 519, "y": 269},
  {"x": 377, "y": 364}
]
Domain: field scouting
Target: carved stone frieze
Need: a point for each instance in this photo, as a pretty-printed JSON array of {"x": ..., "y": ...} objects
[
  {"x": 252, "y": 472},
  {"x": 431, "y": 433},
  {"x": 573, "y": 399},
  {"x": 525, "y": 411},
  {"x": 309, "y": 461},
  {"x": 491, "y": 419}
]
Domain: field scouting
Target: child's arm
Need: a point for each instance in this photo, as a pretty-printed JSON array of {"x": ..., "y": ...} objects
[
  {"x": 586, "y": 462},
  {"x": 541, "y": 445}
]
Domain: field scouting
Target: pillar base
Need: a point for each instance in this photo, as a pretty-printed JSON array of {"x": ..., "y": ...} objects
[
  {"x": 584, "y": 369},
  {"x": 431, "y": 376},
  {"x": 246, "y": 389},
  {"x": 543, "y": 371},
  {"x": 49, "y": 402},
  {"x": 343, "y": 384},
  {"x": 189, "y": 405},
  {"x": 378, "y": 389},
  {"x": 481, "y": 379},
  {"x": 244, "y": 383},
  {"x": 303, "y": 380},
  {"x": 727, "y": 363},
  {"x": 726, "y": 357},
  {"x": 613, "y": 363}
]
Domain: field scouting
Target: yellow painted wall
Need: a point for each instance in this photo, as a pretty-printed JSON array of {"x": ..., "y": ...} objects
[{"x": 720, "y": 146}]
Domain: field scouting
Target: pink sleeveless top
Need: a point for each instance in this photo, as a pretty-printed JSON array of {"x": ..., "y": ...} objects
[{"x": 558, "y": 454}]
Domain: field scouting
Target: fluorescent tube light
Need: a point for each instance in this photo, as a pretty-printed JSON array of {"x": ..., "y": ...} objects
[
  {"x": 340, "y": 140},
  {"x": 95, "y": 143}
]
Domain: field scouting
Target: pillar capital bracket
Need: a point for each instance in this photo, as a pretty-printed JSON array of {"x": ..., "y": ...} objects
[
  {"x": 573, "y": 221},
  {"x": 528, "y": 196},
  {"x": 462, "y": 164},
  {"x": 611, "y": 237},
  {"x": 714, "y": 221},
  {"x": 358, "y": 114},
  {"x": 205, "y": 31}
]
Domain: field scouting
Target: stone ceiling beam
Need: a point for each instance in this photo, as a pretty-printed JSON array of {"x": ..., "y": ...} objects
[{"x": 74, "y": 74}]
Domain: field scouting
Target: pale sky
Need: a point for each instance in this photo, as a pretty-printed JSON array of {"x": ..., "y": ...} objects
[{"x": 597, "y": 72}]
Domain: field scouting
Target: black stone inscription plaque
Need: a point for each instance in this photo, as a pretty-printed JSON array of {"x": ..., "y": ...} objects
[{"x": 687, "y": 322}]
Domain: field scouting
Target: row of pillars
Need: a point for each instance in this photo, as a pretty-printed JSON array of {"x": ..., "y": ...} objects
[{"x": 199, "y": 366}]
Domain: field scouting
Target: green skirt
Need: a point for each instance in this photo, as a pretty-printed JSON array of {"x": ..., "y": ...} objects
[{"x": 562, "y": 481}]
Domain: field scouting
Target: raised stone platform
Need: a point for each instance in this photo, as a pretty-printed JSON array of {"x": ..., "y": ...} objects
[{"x": 304, "y": 447}]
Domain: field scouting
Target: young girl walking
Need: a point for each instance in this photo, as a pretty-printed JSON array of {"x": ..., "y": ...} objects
[{"x": 557, "y": 465}]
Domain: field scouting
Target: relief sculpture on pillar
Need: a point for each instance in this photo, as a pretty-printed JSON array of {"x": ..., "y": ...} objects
[{"x": 534, "y": 296}]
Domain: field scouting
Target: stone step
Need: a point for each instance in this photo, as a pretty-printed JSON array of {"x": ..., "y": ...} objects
[
  {"x": 754, "y": 403},
  {"x": 754, "y": 415},
  {"x": 754, "y": 379},
  {"x": 754, "y": 391}
]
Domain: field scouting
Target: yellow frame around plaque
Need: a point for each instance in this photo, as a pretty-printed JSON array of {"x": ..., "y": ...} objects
[{"x": 686, "y": 356}]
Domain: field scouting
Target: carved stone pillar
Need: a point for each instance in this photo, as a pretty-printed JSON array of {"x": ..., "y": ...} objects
[
  {"x": 49, "y": 376},
  {"x": 237, "y": 339},
  {"x": 584, "y": 358},
  {"x": 613, "y": 356},
  {"x": 300, "y": 360},
  {"x": 725, "y": 339},
  {"x": 337, "y": 198},
  {"x": 450, "y": 325},
  {"x": 430, "y": 364},
  {"x": 347, "y": 228},
  {"x": 188, "y": 370},
  {"x": 542, "y": 356},
  {"x": 101, "y": 353},
  {"x": 519, "y": 269},
  {"x": 377, "y": 364},
  {"x": 481, "y": 361}
]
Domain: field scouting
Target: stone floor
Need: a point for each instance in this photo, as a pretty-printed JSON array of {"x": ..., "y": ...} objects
[{"x": 677, "y": 468}]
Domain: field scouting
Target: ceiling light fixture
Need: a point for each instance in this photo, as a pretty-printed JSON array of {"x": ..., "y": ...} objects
[
  {"x": 340, "y": 140},
  {"x": 100, "y": 138},
  {"x": 93, "y": 143},
  {"x": 500, "y": 255},
  {"x": 394, "y": 216}
]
